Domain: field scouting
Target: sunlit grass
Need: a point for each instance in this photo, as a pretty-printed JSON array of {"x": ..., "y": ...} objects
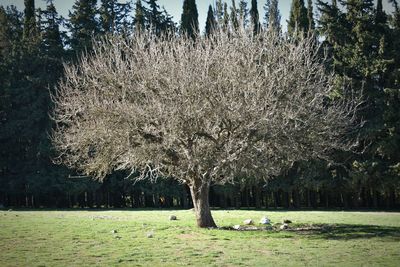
[{"x": 75, "y": 238}]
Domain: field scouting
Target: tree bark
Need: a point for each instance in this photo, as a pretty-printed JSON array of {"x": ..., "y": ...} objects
[{"x": 200, "y": 192}]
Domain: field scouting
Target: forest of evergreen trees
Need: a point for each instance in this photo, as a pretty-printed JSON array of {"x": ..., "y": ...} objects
[{"x": 359, "y": 39}]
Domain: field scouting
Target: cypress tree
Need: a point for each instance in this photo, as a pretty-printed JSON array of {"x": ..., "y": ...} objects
[
  {"x": 190, "y": 18},
  {"x": 243, "y": 12},
  {"x": 234, "y": 15},
  {"x": 395, "y": 19},
  {"x": 33, "y": 67},
  {"x": 226, "y": 17},
  {"x": 30, "y": 28},
  {"x": 267, "y": 8},
  {"x": 10, "y": 146},
  {"x": 5, "y": 43},
  {"x": 211, "y": 23},
  {"x": 255, "y": 19},
  {"x": 219, "y": 12},
  {"x": 310, "y": 16},
  {"x": 380, "y": 15},
  {"x": 298, "y": 21},
  {"x": 272, "y": 18}
]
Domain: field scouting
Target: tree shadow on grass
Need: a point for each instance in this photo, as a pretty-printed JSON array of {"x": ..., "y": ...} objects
[
  {"x": 347, "y": 231},
  {"x": 326, "y": 231}
]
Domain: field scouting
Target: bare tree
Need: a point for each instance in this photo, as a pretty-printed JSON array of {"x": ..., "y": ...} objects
[{"x": 202, "y": 111}]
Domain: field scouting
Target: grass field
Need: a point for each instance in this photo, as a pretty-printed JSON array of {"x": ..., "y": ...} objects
[{"x": 83, "y": 238}]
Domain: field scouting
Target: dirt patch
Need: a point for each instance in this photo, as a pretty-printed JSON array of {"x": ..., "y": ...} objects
[{"x": 187, "y": 236}]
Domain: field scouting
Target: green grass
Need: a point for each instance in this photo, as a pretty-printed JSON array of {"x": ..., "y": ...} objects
[{"x": 83, "y": 238}]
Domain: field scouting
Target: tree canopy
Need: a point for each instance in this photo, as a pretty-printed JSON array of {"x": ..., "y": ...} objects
[{"x": 178, "y": 109}]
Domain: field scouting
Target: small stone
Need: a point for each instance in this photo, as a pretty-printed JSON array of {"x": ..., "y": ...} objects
[
  {"x": 287, "y": 221},
  {"x": 265, "y": 220},
  {"x": 269, "y": 227},
  {"x": 236, "y": 227},
  {"x": 284, "y": 226},
  {"x": 172, "y": 218},
  {"x": 114, "y": 231},
  {"x": 248, "y": 222}
]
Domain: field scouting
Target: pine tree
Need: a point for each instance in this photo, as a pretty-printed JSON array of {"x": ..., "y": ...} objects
[
  {"x": 255, "y": 19},
  {"x": 167, "y": 24},
  {"x": 332, "y": 23},
  {"x": 211, "y": 23},
  {"x": 153, "y": 16},
  {"x": 114, "y": 16},
  {"x": 157, "y": 21},
  {"x": 387, "y": 75},
  {"x": 298, "y": 21},
  {"x": 83, "y": 24},
  {"x": 52, "y": 41},
  {"x": 139, "y": 18},
  {"x": 190, "y": 18},
  {"x": 360, "y": 51},
  {"x": 107, "y": 16}
]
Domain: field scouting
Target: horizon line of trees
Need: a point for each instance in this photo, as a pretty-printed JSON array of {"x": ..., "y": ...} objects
[{"x": 359, "y": 38}]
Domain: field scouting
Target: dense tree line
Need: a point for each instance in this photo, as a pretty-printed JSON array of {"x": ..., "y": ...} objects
[{"x": 358, "y": 37}]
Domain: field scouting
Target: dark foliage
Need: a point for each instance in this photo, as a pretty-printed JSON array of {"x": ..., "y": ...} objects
[{"x": 361, "y": 42}]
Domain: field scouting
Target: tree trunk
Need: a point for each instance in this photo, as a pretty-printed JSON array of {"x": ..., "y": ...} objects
[
  {"x": 185, "y": 202},
  {"x": 257, "y": 197},
  {"x": 375, "y": 194},
  {"x": 309, "y": 205},
  {"x": 238, "y": 200},
  {"x": 222, "y": 201},
  {"x": 275, "y": 198},
  {"x": 200, "y": 192}
]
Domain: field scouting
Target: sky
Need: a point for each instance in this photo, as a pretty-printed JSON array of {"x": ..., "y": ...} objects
[{"x": 174, "y": 7}]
